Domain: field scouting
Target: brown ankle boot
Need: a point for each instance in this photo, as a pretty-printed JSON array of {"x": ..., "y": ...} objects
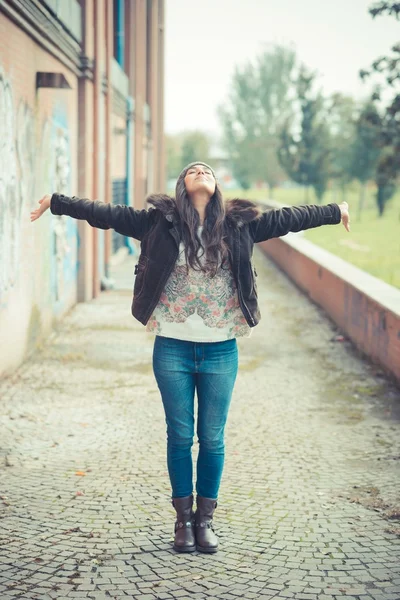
[
  {"x": 185, "y": 540},
  {"x": 206, "y": 540}
]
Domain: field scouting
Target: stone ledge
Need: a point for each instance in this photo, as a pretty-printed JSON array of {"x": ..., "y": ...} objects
[
  {"x": 381, "y": 292},
  {"x": 377, "y": 290},
  {"x": 364, "y": 307}
]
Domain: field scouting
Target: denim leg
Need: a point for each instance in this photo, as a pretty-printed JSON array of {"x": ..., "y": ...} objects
[
  {"x": 214, "y": 392},
  {"x": 176, "y": 383}
]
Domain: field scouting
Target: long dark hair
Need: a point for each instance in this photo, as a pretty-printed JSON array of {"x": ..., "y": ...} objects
[{"x": 213, "y": 244}]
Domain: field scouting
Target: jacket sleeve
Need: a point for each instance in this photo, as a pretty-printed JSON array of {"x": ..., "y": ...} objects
[
  {"x": 123, "y": 219},
  {"x": 279, "y": 221}
]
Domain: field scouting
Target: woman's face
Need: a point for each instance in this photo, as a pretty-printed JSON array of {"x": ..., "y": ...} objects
[{"x": 199, "y": 179}]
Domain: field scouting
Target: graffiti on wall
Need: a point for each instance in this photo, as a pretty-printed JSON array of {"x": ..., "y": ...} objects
[
  {"x": 55, "y": 173},
  {"x": 61, "y": 184},
  {"x": 9, "y": 201},
  {"x": 25, "y": 147},
  {"x": 16, "y": 178},
  {"x": 27, "y": 171}
]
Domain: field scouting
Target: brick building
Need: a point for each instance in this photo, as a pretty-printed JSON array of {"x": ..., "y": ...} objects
[{"x": 81, "y": 112}]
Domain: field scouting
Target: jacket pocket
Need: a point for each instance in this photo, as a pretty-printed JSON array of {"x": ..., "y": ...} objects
[{"x": 140, "y": 271}]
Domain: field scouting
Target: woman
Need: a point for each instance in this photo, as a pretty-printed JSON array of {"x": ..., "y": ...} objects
[{"x": 195, "y": 289}]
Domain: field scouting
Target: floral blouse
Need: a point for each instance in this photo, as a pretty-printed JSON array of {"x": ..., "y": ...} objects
[{"x": 197, "y": 307}]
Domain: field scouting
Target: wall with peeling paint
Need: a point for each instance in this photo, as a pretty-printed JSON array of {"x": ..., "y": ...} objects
[
  {"x": 38, "y": 149},
  {"x": 72, "y": 141}
]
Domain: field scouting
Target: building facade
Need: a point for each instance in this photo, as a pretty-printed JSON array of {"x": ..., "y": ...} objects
[{"x": 81, "y": 113}]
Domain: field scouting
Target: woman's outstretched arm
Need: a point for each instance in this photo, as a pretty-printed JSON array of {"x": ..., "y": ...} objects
[
  {"x": 279, "y": 221},
  {"x": 123, "y": 219}
]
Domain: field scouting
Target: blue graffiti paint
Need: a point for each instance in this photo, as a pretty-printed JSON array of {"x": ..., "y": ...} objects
[{"x": 64, "y": 230}]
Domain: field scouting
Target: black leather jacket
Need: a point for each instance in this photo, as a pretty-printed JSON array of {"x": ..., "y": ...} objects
[{"x": 158, "y": 231}]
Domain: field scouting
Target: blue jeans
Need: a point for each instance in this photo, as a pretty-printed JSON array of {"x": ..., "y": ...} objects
[{"x": 210, "y": 368}]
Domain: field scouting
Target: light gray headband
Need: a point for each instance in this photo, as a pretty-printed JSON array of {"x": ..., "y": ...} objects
[{"x": 198, "y": 162}]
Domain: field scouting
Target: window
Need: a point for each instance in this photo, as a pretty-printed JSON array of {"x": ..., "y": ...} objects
[{"x": 119, "y": 31}]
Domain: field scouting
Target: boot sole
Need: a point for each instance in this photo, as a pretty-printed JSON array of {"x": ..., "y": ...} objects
[
  {"x": 206, "y": 550},
  {"x": 184, "y": 548}
]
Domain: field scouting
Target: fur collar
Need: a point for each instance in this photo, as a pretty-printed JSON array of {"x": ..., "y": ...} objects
[{"x": 238, "y": 211}]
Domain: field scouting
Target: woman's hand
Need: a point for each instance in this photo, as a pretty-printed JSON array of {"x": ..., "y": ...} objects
[
  {"x": 44, "y": 205},
  {"x": 344, "y": 210}
]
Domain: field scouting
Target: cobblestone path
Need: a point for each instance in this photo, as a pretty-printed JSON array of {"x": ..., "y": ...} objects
[{"x": 309, "y": 503}]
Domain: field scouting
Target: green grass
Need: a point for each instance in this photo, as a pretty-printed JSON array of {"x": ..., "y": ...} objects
[{"x": 373, "y": 243}]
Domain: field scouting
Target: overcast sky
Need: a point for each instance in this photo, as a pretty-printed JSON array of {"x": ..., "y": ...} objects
[{"x": 205, "y": 39}]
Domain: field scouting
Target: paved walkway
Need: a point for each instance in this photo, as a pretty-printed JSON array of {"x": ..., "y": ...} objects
[{"x": 309, "y": 505}]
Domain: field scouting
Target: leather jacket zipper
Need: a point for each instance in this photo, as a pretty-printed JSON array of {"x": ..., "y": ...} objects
[
  {"x": 240, "y": 290},
  {"x": 246, "y": 307}
]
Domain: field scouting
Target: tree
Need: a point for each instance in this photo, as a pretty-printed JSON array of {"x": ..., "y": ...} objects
[
  {"x": 184, "y": 148},
  {"x": 341, "y": 115},
  {"x": 259, "y": 101},
  {"x": 173, "y": 148},
  {"x": 304, "y": 150},
  {"x": 365, "y": 151},
  {"x": 389, "y": 8},
  {"x": 388, "y": 67},
  {"x": 195, "y": 146}
]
